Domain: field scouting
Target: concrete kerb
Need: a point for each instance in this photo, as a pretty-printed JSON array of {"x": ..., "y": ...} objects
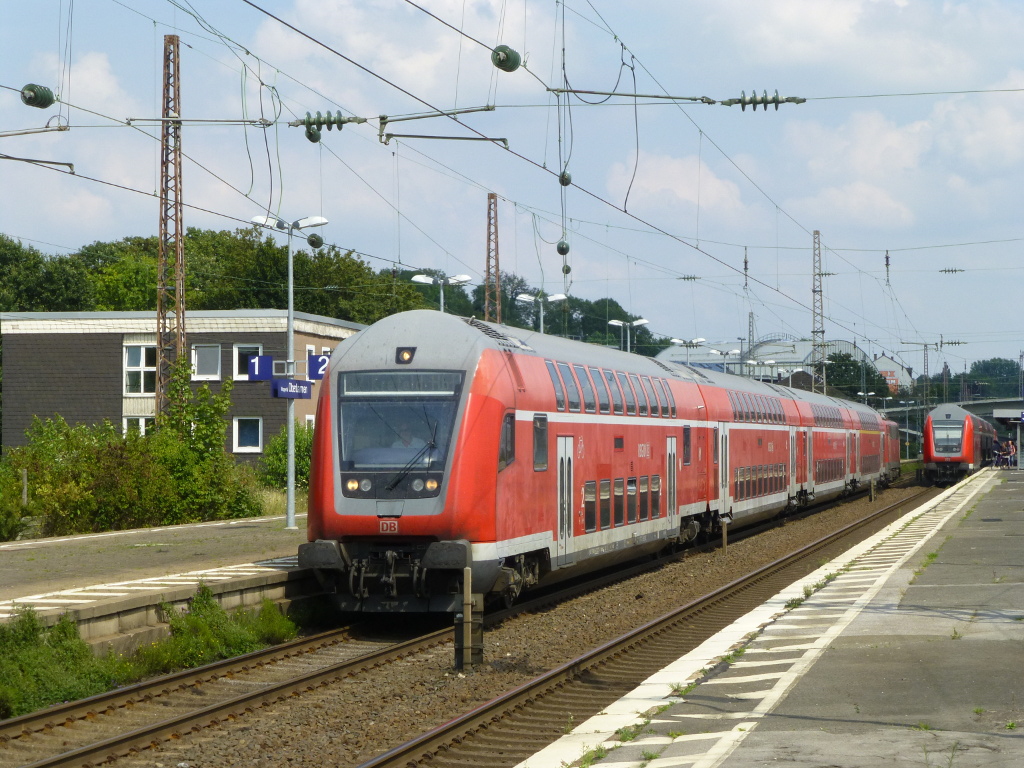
[{"x": 122, "y": 624}]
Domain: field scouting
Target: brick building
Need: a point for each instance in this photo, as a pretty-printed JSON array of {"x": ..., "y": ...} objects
[{"x": 94, "y": 366}]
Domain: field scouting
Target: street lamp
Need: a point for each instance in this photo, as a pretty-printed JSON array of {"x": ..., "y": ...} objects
[
  {"x": 299, "y": 224},
  {"x": 725, "y": 363},
  {"x": 865, "y": 395},
  {"x": 634, "y": 324},
  {"x": 691, "y": 344},
  {"x": 540, "y": 298},
  {"x": 627, "y": 324},
  {"x": 441, "y": 282}
]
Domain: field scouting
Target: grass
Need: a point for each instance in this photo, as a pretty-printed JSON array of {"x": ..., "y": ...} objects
[{"x": 41, "y": 666}]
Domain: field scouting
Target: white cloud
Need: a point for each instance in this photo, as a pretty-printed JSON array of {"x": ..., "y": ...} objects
[
  {"x": 662, "y": 180},
  {"x": 857, "y": 203}
]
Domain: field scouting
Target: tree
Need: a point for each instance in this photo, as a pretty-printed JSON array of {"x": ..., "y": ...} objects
[{"x": 850, "y": 376}]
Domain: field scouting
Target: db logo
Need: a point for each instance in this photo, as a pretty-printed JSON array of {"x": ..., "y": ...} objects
[{"x": 389, "y": 526}]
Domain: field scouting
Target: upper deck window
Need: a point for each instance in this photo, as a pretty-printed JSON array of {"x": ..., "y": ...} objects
[
  {"x": 572, "y": 390},
  {"x": 557, "y": 383}
]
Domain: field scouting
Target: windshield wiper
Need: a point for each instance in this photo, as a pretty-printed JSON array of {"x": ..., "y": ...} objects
[{"x": 404, "y": 471}]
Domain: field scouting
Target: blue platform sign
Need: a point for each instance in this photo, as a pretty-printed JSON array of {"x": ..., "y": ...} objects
[
  {"x": 261, "y": 368},
  {"x": 295, "y": 389},
  {"x": 316, "y": 366}
]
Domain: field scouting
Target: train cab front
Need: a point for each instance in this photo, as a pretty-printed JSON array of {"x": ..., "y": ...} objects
[{"x": 388, "y": 544}]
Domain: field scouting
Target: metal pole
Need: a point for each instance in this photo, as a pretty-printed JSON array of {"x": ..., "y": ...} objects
[
  {"x": 440, "y": 284},
  {"x": 467, "y": 617},
  {"x": 627, "y": 338},
  {"x": 290, "y": 426},
  {"x": 541, "y": 302}
]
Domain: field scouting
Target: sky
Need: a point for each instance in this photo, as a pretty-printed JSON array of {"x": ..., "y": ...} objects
[{"x": 910, "y": 143}]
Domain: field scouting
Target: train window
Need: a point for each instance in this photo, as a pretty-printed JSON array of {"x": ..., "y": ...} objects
[
  {"x": 590, "y": 505},
  {"x": 631, "y": 500},
  {"x": 652, "y": 398},
  {"x": 686, "y": 446},
  {"x": 627, "y": 392},
  {"x": 507, "y": 442},
  {"x": 540, "y": 442},
  {"x": 557, "y": 383},
  {"x": 641, "y": 398},
  {"x": 671, "y": 400},
  {"x": 762, "y": 410},
  {"x": 619, "y": 442},
  {"x": 619, "y": 502},
  {"x": 748, "y": 482},
  {"x": 738, "y": 491},
  {"x": 589, "y": 401},
  {"x": 572, "y": 391},
  {"x": 715, "y": 449},
  {"x": 734, "y": 405},
  {"x": 655, "y": 496},
  {"x": 606, "y": 504},
  {"x": 662, "y": 397},
  {"x": 643, "y": 498},
  {"x": 602, "y": 390},
  {"x": 616, "y": 393}
]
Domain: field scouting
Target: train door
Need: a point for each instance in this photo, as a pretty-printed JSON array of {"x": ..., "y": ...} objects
[
  {"x": 671, "y": 473},
  {"x": 792, "y": 461},
  {"x": 724, "y": 497},
  {"x": 566, "y": 453},
  {"x": 809, "y": 442}
]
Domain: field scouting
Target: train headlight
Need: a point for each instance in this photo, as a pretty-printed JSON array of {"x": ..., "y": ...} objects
[
  {"x": 352, "y": 485},
  {"x": 417, "y": 485},
  {"x": 365, "y": 485},
  {"x": 431, "y": 484}
]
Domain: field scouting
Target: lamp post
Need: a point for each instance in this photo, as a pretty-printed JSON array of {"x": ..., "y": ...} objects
[
  {"x": 691, "y": 344},
  {"x": 883, "y": 403},
  {"x": 730, "y": 353},
  {"x": 441, "y": 282},
  {"x": 906, "y": 425},
  {"x": 634, "y": 324},
  {"x": 539, "y": 299},
  {"x": 627, "y": 324},
  {"x": 865, "y": 395},
  {"x": 299, "y": 224}
]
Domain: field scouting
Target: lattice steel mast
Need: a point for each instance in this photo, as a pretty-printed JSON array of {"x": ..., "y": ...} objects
[
  {"x": 492, "y": 273},
  {"x": 818, "y": 328},
  {"x": 170, "y": 290}
]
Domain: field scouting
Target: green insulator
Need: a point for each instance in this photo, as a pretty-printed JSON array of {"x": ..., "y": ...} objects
[
  {"x": 315, "y": 241},
  {"x": 313, "y": 133},
  {"x": 566, "y": 269},
  {"x": 505, "y": 59},
  {"x": 562, "y": 248},
  {"x": 39, "y": 96},
  {"x": 565, "y": 178}
]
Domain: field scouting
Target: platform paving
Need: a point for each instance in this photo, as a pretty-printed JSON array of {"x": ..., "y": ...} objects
[{"x": 906, "y": 651}]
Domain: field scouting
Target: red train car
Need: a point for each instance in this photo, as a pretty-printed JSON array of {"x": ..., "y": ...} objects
[
  {"x": 443, "y": 443},
  {"x": 956, "y": 444}
]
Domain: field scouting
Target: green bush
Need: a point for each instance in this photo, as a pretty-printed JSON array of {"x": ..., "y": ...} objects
[
  {"x": 42, "y": 666},
  {"x": 92, "y": 478},
  {"x": 274, "y": 465}
]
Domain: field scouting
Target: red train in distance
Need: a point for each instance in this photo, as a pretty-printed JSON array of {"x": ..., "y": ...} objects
[
  {"x": 443, "y": 443},
  {"x": 956, "y": 444}
]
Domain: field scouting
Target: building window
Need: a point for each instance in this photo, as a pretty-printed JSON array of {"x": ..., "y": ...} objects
[
  {"x": 248, "y": 434},
  {"x": 139, "y": 369},
  {"x": 310, "y": 421},
  {"x": 242, "y": 353},
  {"x": 139, "y": 424},
  {"x": 206, "y": 362}
]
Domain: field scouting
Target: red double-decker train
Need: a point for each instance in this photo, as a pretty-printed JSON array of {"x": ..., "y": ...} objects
[
  {"x": 956, "y": 444},
  {"x": 443, "y": 443}
]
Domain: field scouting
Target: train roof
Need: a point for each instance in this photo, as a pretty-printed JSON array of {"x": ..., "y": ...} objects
[
  {"x": 459, "y": 331},
  {"x": 950, "y": 412}
]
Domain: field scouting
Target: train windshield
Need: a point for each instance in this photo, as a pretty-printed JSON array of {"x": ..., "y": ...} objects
[
  {"x": 394, "y": 420},
  {"x": 948, "y": 436}
]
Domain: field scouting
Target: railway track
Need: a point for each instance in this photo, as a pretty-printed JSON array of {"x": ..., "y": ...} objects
[
  {"x": 132, "y": 719},
  {"x": 520, "y": 723}
]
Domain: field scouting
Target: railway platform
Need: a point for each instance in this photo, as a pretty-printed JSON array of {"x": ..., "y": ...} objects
[
  {"x": 907, "y": 650},
  {"x": 112, "y": 583}
]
